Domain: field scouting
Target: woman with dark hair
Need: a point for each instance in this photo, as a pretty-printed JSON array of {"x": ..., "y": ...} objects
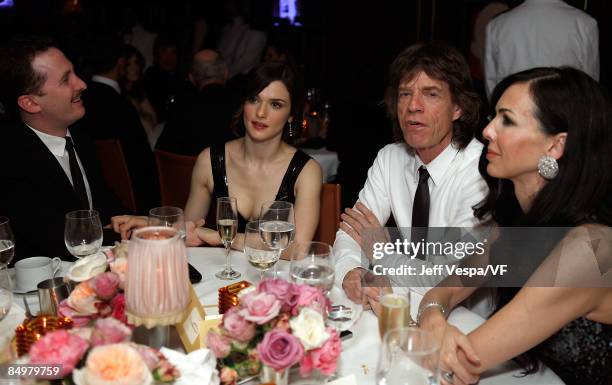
[
  {"x": 547, "y": 163},
  {"x": 257, "y": 167},
  {"x": 133, "y": 88}
]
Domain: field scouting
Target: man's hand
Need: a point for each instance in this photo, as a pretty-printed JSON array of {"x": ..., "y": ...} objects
[
  {"x": 362, "y": 225},
  {"x": 352, "y": 285},
  {"x": 124, "y": 224}
]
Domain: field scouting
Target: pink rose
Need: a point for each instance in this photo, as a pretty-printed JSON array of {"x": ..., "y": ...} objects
[
  {"x": 65, "y": 310},
  {"x": 59, "y": 347},
  {"x": 311, "y": 297},
  {"x": 109, "y": 331},
  {"x": 279, "y": 350},
  {"x": 237, "y": 327},
  {"x": 83, "y": 299},
  {"x": 118, "y": 306},
  {"x": 277, "y": 287},
  {"x": 148, "y": 355},
  {"x": 325, "y": 358},
  {"x": 105, "y": 285},
  {"x": 220, "y": 345},
  {"x": 260, "y": 307},
  {"x": 228, "y": 375}
]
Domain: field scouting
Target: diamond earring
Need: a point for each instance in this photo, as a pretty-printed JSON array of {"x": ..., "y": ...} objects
[{"x": 548, "y": 167}]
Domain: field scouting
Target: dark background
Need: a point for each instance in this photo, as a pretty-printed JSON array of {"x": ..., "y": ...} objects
[{"x": 343, "y": 47}]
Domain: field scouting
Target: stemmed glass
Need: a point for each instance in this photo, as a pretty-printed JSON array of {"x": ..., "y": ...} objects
[
  {"x": 168, "y": 216},
  {"x": 277, "y": 225},
  {"x": 83, "y": 232},
  {"x": 227, "y": 221},
  {"x": 311, "y": 264},
  {"x": 7, "y": 242},
  {"x": 259, "y": 254},
  {"x": 6, "y": 292},
  {"x": 408, "y": 356}
]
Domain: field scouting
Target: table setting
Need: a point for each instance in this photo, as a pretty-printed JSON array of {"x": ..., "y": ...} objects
[{"x": 268, "y": 321}]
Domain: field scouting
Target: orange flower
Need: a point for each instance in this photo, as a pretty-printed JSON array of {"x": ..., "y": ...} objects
[{"x": 116, "y": 364}]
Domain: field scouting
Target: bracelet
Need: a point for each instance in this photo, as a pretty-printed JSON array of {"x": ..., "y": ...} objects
[{"x": 427, "y": 306}]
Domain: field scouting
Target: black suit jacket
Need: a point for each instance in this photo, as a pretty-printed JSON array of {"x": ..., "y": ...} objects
[
  {"x": 110, "y": 116},
  {"x": 36, "y": 194},
  {"x": 198, "y": 119}
]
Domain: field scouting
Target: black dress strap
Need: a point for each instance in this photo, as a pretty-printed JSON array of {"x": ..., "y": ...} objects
[
  {"x": 217, "y": 161},
  {"x": 286, "y": 188}
]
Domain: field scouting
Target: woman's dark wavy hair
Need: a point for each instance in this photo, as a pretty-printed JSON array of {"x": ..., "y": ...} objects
[
  {"x": 261, "y": 77},
  {"x": 442, "y": 62},
  {"x": 566, "y": 100}
]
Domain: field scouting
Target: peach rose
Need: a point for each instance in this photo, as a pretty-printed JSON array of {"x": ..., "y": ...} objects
[
  {"x": 83, "y": 299},
  {"x": 115, "y": 364},
  {"x": 119, "y": 267}
]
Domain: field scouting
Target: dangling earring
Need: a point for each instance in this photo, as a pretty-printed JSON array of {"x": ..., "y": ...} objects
[
  {"x": 548, "y": 167},
  {"x": 291, "y": 134}
]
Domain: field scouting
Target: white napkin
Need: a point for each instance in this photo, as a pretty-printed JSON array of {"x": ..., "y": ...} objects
[
  {"x": 197, "y": 367},
  {"x": 87, "y": 267}
]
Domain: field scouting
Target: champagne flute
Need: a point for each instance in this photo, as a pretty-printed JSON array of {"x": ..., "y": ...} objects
[
  {"x": 83, "y": 232},
  {"x": 227, "y": 221},
  {"x": 408, "y": 356},
  {"x": 394, "y": 311},
  {"x": 259, "y": 254},
  {"x": 168, "y": 216},
  {"x": 6, "y": 292},
  {"x": 277, "y": 225},
  {"x": 7, "y": 242},
  {"x": 311, "y": 264}
]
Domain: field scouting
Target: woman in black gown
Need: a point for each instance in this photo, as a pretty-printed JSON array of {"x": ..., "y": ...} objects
[{"x": 544, "y": 117}]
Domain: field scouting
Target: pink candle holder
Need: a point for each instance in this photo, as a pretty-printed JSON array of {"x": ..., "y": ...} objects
[{"x": 157, "y": 283}]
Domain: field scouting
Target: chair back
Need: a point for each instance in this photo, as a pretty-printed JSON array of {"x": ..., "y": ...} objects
[
  {"x": 329, "y": 213},
  {"x": 115, "y": 171},
  {"x": 174, "y": 172}
]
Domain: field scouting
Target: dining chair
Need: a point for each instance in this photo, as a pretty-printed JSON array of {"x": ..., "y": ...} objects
[
  {"x": 115, "y": 171},
  {"x": 174, "y": 172},
  {"x": 329, "y": 213}
]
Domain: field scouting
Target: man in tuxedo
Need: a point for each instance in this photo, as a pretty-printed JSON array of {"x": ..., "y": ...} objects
[
  {"x": 48, "y": 171},
  {"x": 201, "y": 115},
  {"x": 111, "y": 116}
]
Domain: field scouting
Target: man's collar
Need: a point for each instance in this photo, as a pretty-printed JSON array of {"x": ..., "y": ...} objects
[
  {"x": 438, "y": 166},
  {"x": 55, "y": 144},
  {"x": 108, "y": 81}
]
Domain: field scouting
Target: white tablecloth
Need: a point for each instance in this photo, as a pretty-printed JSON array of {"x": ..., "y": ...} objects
[
  {"x": 327, "y": 159},
  {"x": 361, "y": 351}
]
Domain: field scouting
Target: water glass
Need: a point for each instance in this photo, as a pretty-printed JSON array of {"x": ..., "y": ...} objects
[
  {"x": 168, "y": 216},
  {"x": 6, "y": 292},
  {"x": 227, "y": 223},
  {"x": 312, "y": 264},
  {"x": 277, "y": 225},
  {"x": 260, "y": 256},
  {"x": 408, "y": 356},
  {"x": 7, "y": 242},
  {"x": 83, "y": 232}
]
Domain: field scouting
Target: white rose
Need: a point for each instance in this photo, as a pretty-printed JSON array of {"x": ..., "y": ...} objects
[
  {"x": 87, "y": 267},
  {"x": 309, "y": 327}
]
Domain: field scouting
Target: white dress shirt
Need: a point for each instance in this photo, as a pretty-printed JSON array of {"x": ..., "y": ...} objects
[
  {"x": 540, "y": 33},
  {"x": 455, "y": 186},
  {"x": 57, "y": 146}
]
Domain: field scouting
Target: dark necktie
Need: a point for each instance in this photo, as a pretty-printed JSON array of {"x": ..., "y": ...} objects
[
  {"x": 420, "y": 208},
  {"x": 77, "y": 176}
]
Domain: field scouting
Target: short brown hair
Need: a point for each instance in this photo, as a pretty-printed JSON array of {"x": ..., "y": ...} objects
[{"x": 442, "y": 62}]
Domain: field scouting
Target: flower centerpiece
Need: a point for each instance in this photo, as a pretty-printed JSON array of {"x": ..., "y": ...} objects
[
  {"x": 276, "y": 325},
  {"x": 102, "y": 354}
]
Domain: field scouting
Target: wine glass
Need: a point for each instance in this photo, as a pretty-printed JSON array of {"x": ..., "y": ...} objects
[
  {"x": 83, "y": 232},
  {"x": 311, "y": 264},
  {"x": 277, "y": 225},
  {"x": 6, "y": 292},
  {"x": 227, "y": 221},
  {"x": 408, "y": 356},
  {"x": 168, "y": 216},
  {"x": 7, "y": 242},
  {"x": 259, "y": 254}
]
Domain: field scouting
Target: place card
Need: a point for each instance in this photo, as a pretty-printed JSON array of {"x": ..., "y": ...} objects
[{"x": 189, "y": 328}]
